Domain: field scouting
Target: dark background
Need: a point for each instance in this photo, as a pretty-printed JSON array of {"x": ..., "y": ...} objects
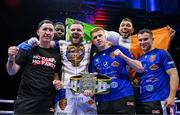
[{"x": 19, "y": 20}]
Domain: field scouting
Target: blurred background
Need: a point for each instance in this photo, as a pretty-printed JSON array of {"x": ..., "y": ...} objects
[{"x": 19, "y": 20}]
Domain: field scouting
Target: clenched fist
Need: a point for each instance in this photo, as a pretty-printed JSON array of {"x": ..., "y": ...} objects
[
  {"x": 12, "y": 52},
  {"x": 119, "y": 53}
]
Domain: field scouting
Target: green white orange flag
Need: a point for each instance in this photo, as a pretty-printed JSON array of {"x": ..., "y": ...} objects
[
  {"x": 162, "y": 37},
  {"x": 162, "y": 40}
]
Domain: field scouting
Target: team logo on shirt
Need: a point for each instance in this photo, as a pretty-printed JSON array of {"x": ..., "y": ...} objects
[
  {"x": 90, "y": 102},
  {"x": 152, "y": 58},
  {"x": 153, "y": 67},
  {"x": 88, "y": 106},
  {"x": 115, "y": 64},
  {"x": 112, "y": 55},
  {"x": 63, "y": 103}
]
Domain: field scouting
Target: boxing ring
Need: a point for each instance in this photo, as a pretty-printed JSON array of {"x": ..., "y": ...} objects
[
  {"x": 11, "y": 102},
  {"x": 8, "y": 103}
]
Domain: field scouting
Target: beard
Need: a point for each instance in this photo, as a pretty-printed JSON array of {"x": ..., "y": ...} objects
[
  {"x": 76, "y": 41},
  {"x": 125, "y": 36}
]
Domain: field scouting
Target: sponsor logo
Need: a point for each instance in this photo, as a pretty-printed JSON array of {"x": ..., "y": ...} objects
[
  {"x": 105, "y": 64},
  {"x": 155, "y": 111},
  {"x": 61, "y": 113},
  {"x": 171, "y": 62},
  {"x": 97, "y": 60},
  {"x": 152, "y": 80},
  {"x": 149, "y": 87},
  {"x": 130, "y": 103},
  {"x": 115, "y": 76},
  {"x": 114, "y": 85}
]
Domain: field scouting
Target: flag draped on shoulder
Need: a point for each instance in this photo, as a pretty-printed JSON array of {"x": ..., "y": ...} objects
[{"x": 162, "y": 39}]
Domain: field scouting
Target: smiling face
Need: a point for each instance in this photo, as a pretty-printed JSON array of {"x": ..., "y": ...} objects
[
  {"x": 126, "y": 29},
  {"x": 76, "y": 33},
  {"x": 145, "y": 41},
  {"x": 46, "y": 34}
]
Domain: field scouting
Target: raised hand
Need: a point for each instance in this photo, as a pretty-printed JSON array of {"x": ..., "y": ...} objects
[
  {"x": 119, "y": 53},
  {"x": 12, "y": 52},
  {"x": 33, "y": 42}
]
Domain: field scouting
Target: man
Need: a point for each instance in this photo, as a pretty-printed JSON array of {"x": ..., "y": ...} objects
[
  {"x": 59, "y": 34},
  {"x": 113, "y": 61},
  {"x": 40, "y": 66},
  {"x": 75, "y": 60},
  {"x": 59, "y": 31},
  {"x": 129, "y": 41},
  {"x": 126, "y": 30},
  {"x": 159, "y": 82}
]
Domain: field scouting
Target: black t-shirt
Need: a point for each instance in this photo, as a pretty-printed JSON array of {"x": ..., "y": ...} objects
[{"x": 39, "y": 65}]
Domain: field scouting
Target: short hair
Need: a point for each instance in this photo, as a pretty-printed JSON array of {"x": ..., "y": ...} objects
[
  {"x": 96, "y": 29},
  {"x": 145, "y": 31},
  {"x": 43, "y": 22},
  {"x": 58, "y": 23},
  {"x": 77, "y": 22},
  {"x": 126, "y": 19}
]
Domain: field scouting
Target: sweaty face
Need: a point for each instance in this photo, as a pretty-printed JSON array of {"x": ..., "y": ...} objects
[
  {"x": 145, "y": 41},
  {"x": 59, "y": 31},
  {"x": 99, "y": 39},
  {"x": 46, "y": 33},
  {"x": 76, "y": 33},
  {"x": 126, "y": 29}
]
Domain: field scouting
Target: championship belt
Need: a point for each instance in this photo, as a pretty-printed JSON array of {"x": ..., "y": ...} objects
[{"x": 97, "y": 83}]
